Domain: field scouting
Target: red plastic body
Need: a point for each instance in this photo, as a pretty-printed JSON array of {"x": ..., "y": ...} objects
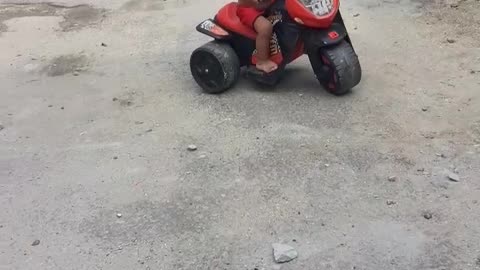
[
  {"x": 227, "y": 18},
  {"x": 302, "y": 15}
]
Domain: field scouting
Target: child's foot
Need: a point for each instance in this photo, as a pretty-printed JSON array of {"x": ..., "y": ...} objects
[{"x": 267, "y": 66}]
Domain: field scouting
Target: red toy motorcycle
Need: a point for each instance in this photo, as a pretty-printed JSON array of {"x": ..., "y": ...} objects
[{"x": 311, "y": 27}]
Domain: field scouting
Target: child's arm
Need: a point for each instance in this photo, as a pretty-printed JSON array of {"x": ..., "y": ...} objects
[
  {"x": 249, "y": 3},
  {"x": 259, "y": 4},
  {"x": 263, "y": 4}
]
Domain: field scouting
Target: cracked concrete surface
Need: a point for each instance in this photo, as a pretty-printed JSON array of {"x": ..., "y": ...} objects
[{"x": 98, "y": 107}]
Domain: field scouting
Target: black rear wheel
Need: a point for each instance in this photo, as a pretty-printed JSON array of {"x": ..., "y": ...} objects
[
  {"x": 338, "y": 68},
  {"x": 215, "y": 67}
]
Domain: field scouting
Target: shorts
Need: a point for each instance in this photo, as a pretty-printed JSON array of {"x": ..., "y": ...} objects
[{"x": 248, "y": 15}]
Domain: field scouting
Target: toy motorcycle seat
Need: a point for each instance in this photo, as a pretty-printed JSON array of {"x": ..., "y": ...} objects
[{"x": 227, "y": 18}]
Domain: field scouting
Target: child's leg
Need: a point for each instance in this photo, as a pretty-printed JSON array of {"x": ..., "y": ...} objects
[{"x": 264, "y": 29}]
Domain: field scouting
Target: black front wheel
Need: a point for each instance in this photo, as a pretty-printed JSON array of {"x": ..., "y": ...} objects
[
  {"x": 337, "y": 68},
  {"x": 215, "y": 67}
]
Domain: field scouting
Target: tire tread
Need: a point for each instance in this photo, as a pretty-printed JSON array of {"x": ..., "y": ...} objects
[
  {"x": 227, "y": 57},
  {"x": 346, "y": 64}
]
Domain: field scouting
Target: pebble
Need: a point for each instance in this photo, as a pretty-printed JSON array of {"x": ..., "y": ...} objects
[
  {"x": 427, "y": 215},
  {"x": 356, "y": 14},
  {"x": 454, "y": 5},
  {"x": 283, "y": 253},
  {"x": 119, "y": 215},
  {"x": 453, "y": 177},
  {"x": 138, "y": 122},
  {"x": 115, "y": 157},
  {"x": 390, "y": 202},
  {"x": 424, "y": 109},
  {"x": 202, "y": 156},
  {"x": 192, "y": 147},
  {"x": 451, "y": 40},
  {"x": 392, "y": 178},
  {"x": 104, "y": 44},
  {"x": 36, "y": 243},
  {"x": 76, "y": 73},
  {"x": 62, "y": 108},
  {"x": 2, "y": 127}
]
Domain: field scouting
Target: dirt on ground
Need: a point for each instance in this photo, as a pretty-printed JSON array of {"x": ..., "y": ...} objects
[{"x": 98, "y": 110}]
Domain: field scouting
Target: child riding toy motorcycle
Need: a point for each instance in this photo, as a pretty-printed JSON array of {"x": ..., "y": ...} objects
[{"x": 311, "y": 27}]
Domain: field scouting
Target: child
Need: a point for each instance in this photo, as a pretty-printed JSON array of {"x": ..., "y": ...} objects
[{"x": 250, "y": 13}]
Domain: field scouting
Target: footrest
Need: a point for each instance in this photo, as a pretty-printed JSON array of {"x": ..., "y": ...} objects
[{"x": 262, "y": 77}]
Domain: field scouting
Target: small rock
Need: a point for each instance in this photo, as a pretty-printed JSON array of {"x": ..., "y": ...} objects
[
  {"x": 390, "y": 202},
  {"x": 119, "y": 215},
  {"x": 356, "y": 14},
  {"x": 427, "y": 215},
  {"x": 192, "y": 147},
  {"x": 454, "y": 177},
  {"x": 392, "y": 178},
  {"x": 76, "y": 73},
  {"x": 1, "y": 127},
  {"x": 50, "y": 106},
  {"x": 420, "y": 169},
  {"x": 454, "y": 5},
  {"x": 424, "y": 109},
  {"x": 114, "y": 99},
  {"x": 138, "y": 122},
  {"x": 115, "y": 157},
  {"x": 300, "y": 95},
  {"x": 62, "y": 108},
  {"x": 441, "y": 155},
  {"x": 148, "y": 130},
  {"x": 472, "y": 71},
  {"x": 451, "y": 40},
  {"x": 283, "y": 253},
  {"x": 202, "y": 156},
  {"x": 36, "y": 243},
  {"x": 104, "y": 44}
]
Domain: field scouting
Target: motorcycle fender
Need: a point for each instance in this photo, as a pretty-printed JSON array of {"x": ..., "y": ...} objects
[
  {"x": 210, "y": 28},
  {"x": 316, "y": 38}
]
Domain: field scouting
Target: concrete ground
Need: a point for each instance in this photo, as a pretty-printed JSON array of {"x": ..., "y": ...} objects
[{"x": 89, "y": 132}]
